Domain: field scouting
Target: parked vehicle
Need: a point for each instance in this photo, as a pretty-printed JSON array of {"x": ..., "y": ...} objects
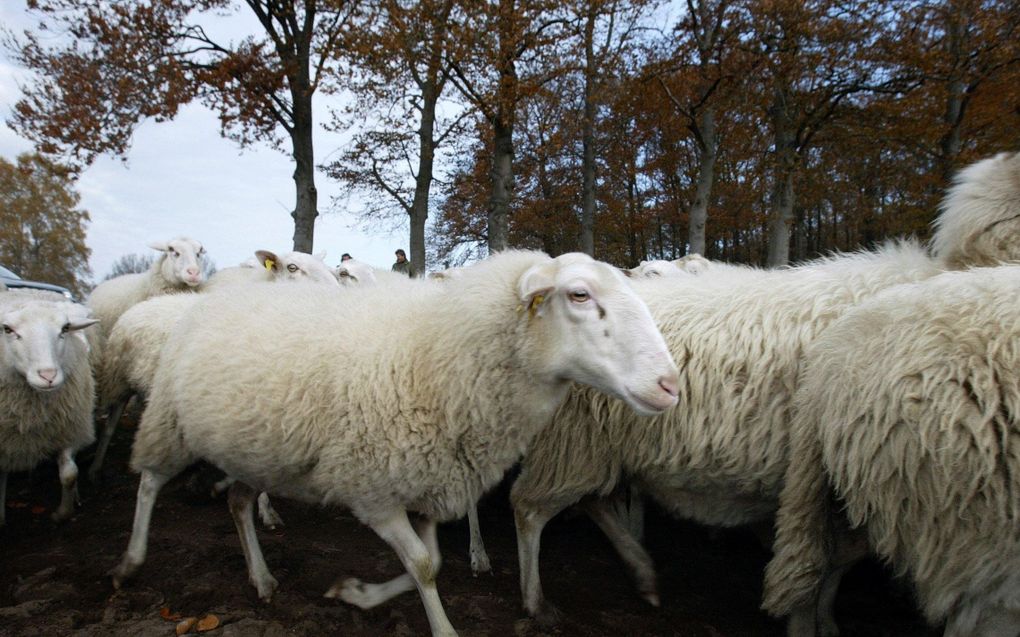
[{"x": 13, "y": 282}]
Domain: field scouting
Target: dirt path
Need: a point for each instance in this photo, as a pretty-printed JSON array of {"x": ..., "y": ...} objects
[{"x": 53, "y": 582}]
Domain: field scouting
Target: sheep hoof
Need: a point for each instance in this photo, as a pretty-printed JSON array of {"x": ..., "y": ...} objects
[
  {"x": 266, "y": 588},
  {"x": 62, "y": 514},
  {"x": 480, "y": 564},
  {"x": 652, "y": 597},
  {"x": 95, "y": 475},
  {"x": 548, "y": 615},
  {"x": 354, "y": 592},
  {"x": 120, "y": 573}
]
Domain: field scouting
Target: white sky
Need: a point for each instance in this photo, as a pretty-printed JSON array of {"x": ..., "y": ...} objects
[{"x": 182, "y": 178}]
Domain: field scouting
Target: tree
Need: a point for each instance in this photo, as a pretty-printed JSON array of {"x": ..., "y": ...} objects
[
  {"x": 42, "y": 231},
  {"x": 403, "y": 69},
  {"x": 499, "y": 63},
  {"x": 130, "y": 60}
]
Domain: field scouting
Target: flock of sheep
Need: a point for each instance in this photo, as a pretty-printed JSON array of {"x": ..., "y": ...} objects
[{"x": 865, "y": 402}]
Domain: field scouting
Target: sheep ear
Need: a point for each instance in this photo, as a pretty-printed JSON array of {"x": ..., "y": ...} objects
[
  {"x": 81, "y": 324},
  {"x": 535, "y": 286},
  {"x": 626, "y": 273},
  {"x": 268, "y": 259},
  {"x": 321, "y": 256},
  {"x": 162, "y": 246}
]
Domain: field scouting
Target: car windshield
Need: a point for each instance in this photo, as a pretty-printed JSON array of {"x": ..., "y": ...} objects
[{"x": 7, "y": 274}]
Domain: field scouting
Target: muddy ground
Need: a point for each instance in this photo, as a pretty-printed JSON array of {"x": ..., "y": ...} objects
[{"x": 53, "y": 577}]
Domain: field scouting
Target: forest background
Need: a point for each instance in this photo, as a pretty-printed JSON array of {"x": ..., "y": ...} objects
[{"x": 753, "y": 131}]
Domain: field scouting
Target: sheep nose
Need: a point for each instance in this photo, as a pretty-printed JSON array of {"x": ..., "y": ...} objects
[
  {"x": 670, "y": 384},
  {"x": 193, "y": 271},
  {"x": 49, "y": 374}
]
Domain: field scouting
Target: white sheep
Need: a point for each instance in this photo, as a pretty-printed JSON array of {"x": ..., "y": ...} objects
[
  {"x": 46, "y": 390},
  {"x": 178, "y": 268},
  {"x": 657, "y": 267},
  {"x": 720, "y": 459},
  {"x": 353, "y": 272},
  {"x": 909, "y": 406},
  {"x": 694, "y": 263},
  {"x": 420, "y": 403},
  {"x": 134, "y": 345},
  {"x": 268, "y": 266},
  {"x": 983, "y": 227}
]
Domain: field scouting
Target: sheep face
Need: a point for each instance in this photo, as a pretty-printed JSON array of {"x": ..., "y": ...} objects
[
  {"x": 182, "y": 260},
  {"x": 296, "y": 266},
  {"x": 353, "y": 272},
  {"x": 597, "y": 331},
  {"x": 35, "y": 341}
]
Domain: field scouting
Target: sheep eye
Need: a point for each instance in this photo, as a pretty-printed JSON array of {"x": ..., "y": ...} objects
[
  {"x": 8, "y": 329},
  {"x": 66, "y": 328},
  {"x": 345, "y": 273},
  {"x": 579, "y": 296},
  {"x": 292, "y": 268}
]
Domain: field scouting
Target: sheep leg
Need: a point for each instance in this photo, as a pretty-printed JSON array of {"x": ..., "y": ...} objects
[
  {"x": 636, "y": 514},
  {"x": 530, "y": 523},
  {"x": 3, "y": 498},
  {"x": 112, "y": 420},
  {"x": 69, "y": 486},
  {"x": 221, "y": 486},
  {"x": 270, "y": 518},
  {"x": 627, "y": 545},
  {"x": 416, "y": 557},
  {"x": 479, "y": 558},
  {"x": 241, "y": 499},
  {"x": 148, "y": 488},
  {"x": 366, "y": 596}
]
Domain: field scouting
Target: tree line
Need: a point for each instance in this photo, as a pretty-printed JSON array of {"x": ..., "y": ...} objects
[{"x": 757, "y": 131}]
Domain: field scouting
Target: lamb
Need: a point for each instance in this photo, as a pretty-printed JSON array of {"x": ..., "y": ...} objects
[
  {"x": 178, "y": 268},
  {"x": 46, "y": 389},
  {"x": 420, "y": 420},
  {"x": 920, "y": 440}
]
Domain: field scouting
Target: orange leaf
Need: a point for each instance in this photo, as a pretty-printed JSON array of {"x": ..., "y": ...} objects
[
  {"x": 17, "y": 504},
  {"x": 186, "y": 625},
  {"x": 209, "y": 622},
  {"x": 167, "y": 615},
  {"x": 38, "y": 509}
]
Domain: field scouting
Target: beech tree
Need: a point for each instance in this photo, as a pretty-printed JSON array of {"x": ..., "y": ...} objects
[
  {"x": 42, "y": 230},
  {"x": 120, "y": 62}
]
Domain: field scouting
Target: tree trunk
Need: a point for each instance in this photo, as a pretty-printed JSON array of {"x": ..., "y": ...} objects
[
  {"x": 588, "y": 140},
  {"x": 419, "y": 212},
  {"x": 706, "y": 176},
  {"x": 950, "y": 144},
  {"x": 781, "y": 220},
  {"x": 306, "y": 206},
  {"x": 502, "y": 185}
]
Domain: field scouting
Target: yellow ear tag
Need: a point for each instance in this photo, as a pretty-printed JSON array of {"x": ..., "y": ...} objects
[
  {"x": 269, "y": 264},
  {"x": 536, "y": 301}
]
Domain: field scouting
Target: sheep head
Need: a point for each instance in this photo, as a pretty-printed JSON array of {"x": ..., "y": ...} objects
[
  {"x": 181, "y": 261},
  {"x": 35, "y": 340},
  {"x": 591, "y": 327}
]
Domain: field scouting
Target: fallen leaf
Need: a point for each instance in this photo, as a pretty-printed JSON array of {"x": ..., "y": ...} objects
[
  {"x": 186, "y": 625},
  {"x": 17, "y": 504},
  {"x": 209, "y": 622},
  {"x": 38, "y": 509},
  {"x": 167, "y": 615}
]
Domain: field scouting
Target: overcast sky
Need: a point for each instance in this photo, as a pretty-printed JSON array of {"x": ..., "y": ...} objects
[{"x": 182, "y": 178}]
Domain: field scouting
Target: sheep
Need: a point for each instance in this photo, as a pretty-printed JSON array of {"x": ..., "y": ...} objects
[
  {"x": 135, "y": 343},
  {"x": 694, "y": 263},
  {"x": 267, "y": 266},
  {"x": 353, "y": 272},
  {"x": 420, "y": 420},
  {"x": 46, "y": 389},
  {"x": 647, "y": 269},
  {"x": 722, "y": 459},
  {"x": 178, "y": 268},
  {"x": 920, "y": 440},
  {"x": 984, "y": 225}
]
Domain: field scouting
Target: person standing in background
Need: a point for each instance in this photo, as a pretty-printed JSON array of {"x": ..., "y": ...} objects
[{"x": 402, "y": 265}]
